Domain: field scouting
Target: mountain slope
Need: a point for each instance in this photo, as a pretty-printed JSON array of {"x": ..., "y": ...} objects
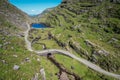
[
  {"x": 90, "y": 27},
  {"x": 87, "y": 28},
  {"x": 13, "y": 52},
  {"x": 10, "y": 15}
]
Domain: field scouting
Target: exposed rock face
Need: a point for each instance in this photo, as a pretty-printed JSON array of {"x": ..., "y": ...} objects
[
  {"x": 101, "y": 52},
  {"x": 78, "y": 49},
  {"x": 97, "y": 50}
]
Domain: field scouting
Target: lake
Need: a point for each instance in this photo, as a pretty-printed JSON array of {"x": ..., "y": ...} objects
[{"x": 38, "y": 25}]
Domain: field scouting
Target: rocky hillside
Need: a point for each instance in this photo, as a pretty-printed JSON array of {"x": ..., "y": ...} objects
[
  {"x": 89, "y": 27},
  {"x": 12, "y": 16},
  {"x": 14, "y": 63}
]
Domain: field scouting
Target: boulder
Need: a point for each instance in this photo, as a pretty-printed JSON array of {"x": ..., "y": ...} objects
[
  {"x": 16, "y": 67},
  {"x": 101, "y": 52}
]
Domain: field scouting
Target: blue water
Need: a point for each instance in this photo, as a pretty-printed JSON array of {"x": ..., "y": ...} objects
[{"x": 38, "y": 25}]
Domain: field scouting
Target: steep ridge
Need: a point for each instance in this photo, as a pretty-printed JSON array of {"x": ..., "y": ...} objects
[{"x": 10, "y": 15}]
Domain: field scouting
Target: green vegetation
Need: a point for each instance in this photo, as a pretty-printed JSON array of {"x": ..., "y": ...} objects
[
  {"x": 13, "y": 50},
  {"x": 97, "y": 22},
  {"x": 80, "y": 69},
  {"x": 88, "y": 29},
  {"x": 28, "y": 69}
]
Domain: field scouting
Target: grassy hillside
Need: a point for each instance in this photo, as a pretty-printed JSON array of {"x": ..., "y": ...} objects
[
  {"x": 12, "y": 46},
  {"x": 88, "y": 28},
  {"x": 13, "y": 52}
]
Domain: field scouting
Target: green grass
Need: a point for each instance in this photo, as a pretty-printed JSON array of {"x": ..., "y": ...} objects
[
  {"x": 98, "y": 25},
  {"x": 80, "y": 69},
  {"x": 27, "y": 69},
  {"x": 50, "y": 69},
  {"x": 68, "y": 62}
]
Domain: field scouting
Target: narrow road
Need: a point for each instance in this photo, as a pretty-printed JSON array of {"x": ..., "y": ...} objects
[
  {"x": 28, "y": 43},
  {"x": 57, "y": 51}
]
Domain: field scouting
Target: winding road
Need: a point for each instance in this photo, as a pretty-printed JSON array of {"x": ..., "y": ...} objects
[{"x": 57, "y": 51}]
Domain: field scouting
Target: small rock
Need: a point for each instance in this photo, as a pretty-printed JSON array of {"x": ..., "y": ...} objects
[
  {"x": 113, "y": 40},
  {"x": 6, "y": 43},
  {"x": 12, "y": 47},
  {"x": 27, "y": 59},
  {"x": 22, "y": 63},
  {"x": 0, "y": 45},
  {"x": 16, "y": 67},
  {"x": 15, "y": 56},
  {"x": 100, "y": 39},
  {"x": 3, "y": 61},
  {"x": 38, "y": 59},
  {"x": 101, "y": 52},
  {"x": 21, "y": 35}
]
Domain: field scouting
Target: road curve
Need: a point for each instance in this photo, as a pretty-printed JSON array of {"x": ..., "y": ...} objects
[{"x": 57, "y": 51}]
